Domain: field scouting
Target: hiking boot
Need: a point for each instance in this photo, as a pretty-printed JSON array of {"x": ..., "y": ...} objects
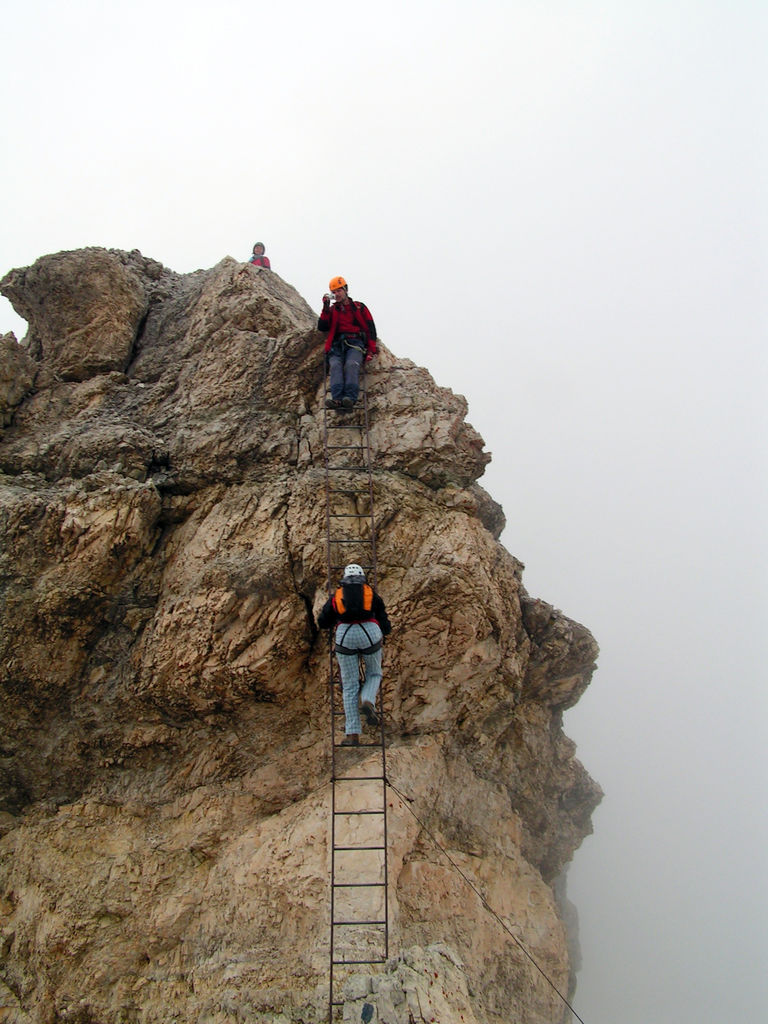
[
  {"x": 347, "y": 402},
  {"x": 370, "y": 713},
  {"x": 331, "y": 403},
  {"x": 350, "y": 740}
]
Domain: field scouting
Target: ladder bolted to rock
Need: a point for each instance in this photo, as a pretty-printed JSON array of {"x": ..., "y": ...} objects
[{"x": 359, "y": 921}]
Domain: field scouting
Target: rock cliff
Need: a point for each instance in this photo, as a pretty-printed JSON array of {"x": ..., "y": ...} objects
[{"x": 164, "y": 750}]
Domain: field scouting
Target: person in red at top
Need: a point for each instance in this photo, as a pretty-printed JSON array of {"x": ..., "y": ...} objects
[
  {"x": 351, "y": 338},
  {"x": 259, "y": 259}
]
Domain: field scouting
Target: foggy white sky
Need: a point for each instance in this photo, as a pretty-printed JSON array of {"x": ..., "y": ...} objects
[{"x": 560, "y": 209}]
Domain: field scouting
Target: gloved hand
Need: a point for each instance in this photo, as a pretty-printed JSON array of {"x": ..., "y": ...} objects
[
  {"x": 369, "y": 357},
  {"x": 326, "y": 300}
]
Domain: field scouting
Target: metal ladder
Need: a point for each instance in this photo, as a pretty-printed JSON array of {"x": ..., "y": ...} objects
[{"x": 359, "y": 912}]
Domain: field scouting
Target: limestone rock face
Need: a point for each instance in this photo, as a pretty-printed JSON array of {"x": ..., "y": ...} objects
[
  {"x": 17, "y": 375},
  {"x": 83, "y": 308},
  {"x": 164, "y": 762}
]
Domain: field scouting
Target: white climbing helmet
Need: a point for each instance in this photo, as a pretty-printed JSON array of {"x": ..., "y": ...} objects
[{"x": 352, "y": 571}]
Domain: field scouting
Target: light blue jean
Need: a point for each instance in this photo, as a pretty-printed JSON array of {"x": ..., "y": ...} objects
[{"x": 357, "y": 637}]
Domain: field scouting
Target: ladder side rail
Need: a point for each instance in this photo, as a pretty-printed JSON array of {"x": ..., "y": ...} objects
[
  {"x": 369, "y": 462},
  {"x": 333, "y": 840},
  {"x": 330, "y": 689}
]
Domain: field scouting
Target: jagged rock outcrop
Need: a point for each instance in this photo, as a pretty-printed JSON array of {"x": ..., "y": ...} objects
[{"x": 165, "y": 753}]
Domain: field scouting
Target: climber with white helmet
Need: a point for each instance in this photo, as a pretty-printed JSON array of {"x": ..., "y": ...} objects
[
  {"x": 351, "y": 338},
  {"x": 361, "y": 622}
]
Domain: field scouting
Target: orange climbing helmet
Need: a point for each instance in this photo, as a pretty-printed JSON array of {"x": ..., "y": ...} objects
[{"x": 337, "y": 282}]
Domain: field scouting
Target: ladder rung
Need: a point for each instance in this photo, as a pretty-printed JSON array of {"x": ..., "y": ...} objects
[
  {"x": 349, "y": 515},
  {"x": 378, "y": 960},
  {"x": 347, "y": 849},
  {"x": 356, "y": 924},
  {"x": 359, "y": 747},
  {"x": 358, "y": 885},
  {"x": 358, "y": 778},
  {"x": 339, "y": 813}
]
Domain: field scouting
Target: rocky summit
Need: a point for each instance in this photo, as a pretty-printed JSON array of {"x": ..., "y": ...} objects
[{"x": 165, "y": 744}]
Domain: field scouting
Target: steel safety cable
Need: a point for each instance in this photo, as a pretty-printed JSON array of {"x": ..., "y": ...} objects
[{"x": 483, "y": 900}]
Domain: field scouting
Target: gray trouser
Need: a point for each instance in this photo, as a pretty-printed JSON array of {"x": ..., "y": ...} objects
[{"x": 356, "y": 637}]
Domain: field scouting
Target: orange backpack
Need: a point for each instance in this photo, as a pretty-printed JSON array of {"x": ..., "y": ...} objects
[{"x": 353, "y": 598}]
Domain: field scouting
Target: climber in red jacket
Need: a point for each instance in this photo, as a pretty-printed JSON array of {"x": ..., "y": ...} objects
[
  {"x": 351, "y": 339},
  {"x": 259, "y": 259}
]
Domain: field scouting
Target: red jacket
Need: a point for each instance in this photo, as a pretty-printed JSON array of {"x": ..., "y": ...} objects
[
  {"x": 361, "y": 322},
  {"x": 260, "y": 261}
]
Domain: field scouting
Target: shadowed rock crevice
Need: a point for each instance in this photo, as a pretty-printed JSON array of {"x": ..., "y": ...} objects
[{"x": 165, "y": 751}]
